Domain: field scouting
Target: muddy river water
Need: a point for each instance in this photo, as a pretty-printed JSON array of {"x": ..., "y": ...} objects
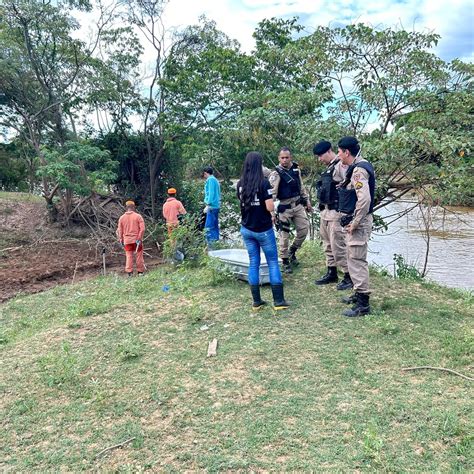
[{"x": 451, "y": 256}]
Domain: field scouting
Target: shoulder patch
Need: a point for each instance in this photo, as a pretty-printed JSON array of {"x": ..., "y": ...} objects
[{"x": 359, "y": 184}]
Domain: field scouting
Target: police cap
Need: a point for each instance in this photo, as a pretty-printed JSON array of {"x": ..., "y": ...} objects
[
  {"x": 321, "y": 147},
  {"x": 348, "y": 143}
]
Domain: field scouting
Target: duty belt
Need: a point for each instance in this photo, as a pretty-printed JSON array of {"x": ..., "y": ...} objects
[
  {"x": 329, "y": 207},
  {"x": 283, "y": 207}
]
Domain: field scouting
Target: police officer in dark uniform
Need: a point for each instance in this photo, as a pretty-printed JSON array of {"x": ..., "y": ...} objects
[
  {"x": 356, "y": 202},
  {"x": 330, "y": 229},
  {"x": 288, "y": 188}
]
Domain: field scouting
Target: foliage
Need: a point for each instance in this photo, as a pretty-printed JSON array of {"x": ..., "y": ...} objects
[
  {"x": 79, "y": 167},
  {"x": 13, "y": 172},
  {"x": 404, "y": 270},
  {"x": 187, "y": 241},
  {"x": 206, "y": 102}
]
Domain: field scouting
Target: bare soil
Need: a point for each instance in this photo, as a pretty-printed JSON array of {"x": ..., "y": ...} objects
[{"x": 35, "y": 255}]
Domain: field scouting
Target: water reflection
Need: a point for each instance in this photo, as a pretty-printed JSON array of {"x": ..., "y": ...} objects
[{"x": 451, "y": 258}]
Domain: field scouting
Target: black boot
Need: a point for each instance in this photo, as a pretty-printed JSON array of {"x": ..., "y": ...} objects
[
  {"x": 279, "y": 298},
  {"x": 346, "y": 283},
  {"x": 257, "y": 301},
  {"x": 287, "y": 266},
  {"x": 352, "y": 299},
  {"x": 330, "y": 277},
  {"x": 361, "y": 307},
  {"x": 293, "y": 259}
]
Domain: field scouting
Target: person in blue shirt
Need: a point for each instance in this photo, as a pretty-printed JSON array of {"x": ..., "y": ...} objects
[{"x": 212, "y": 200}]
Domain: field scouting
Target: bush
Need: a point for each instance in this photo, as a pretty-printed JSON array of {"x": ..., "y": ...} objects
[{"x": 404, "y": 270}]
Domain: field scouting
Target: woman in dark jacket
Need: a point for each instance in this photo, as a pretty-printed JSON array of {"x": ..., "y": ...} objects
[{"x": 258, "y": 215}]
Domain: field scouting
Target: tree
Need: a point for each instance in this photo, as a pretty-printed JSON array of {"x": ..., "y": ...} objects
[
  {"x": 40, "y": 64},
  {"x": 376, "y": 71},
  {"x": 79, "y": 169}
]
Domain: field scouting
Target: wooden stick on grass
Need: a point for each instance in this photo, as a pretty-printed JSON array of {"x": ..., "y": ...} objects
[
  {"x": 439, "y": 368},
  {"x": 115, "y": 446}
]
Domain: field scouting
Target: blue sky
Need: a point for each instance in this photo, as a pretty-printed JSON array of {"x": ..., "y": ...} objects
[{"x": 452, "y": 20}]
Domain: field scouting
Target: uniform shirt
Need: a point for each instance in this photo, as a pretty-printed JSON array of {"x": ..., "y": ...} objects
[
  {"x": 131, "y": 227},
  {"x": 275, "y": 182},
  {"x": 172, "y": 208},
  {"x": 256, "y": 218},
  {"x": 212, "y": 192},
  {"x": 360, "y": 182},
  {"x": 338, "y": 175}
]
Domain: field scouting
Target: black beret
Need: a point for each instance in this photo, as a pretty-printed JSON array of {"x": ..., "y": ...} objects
[
  {"x": 321, "y": 147},
  {"x": 348, "y": 143}
]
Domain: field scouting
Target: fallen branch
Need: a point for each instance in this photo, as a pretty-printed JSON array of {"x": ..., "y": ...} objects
[
  {"x": 11, "y": 249},
  {"x": 439, "y": 368},
  {"x": 114, "y": 447}
]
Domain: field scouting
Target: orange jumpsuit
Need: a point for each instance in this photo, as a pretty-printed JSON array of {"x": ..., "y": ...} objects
[
  {"x": 172, "y": 208},
  {"x": 131, "y": 228}
]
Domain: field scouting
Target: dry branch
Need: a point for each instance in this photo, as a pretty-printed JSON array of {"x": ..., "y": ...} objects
[
  {"x": 439, "y": 368},
  {"x": 115, "y": 446}
]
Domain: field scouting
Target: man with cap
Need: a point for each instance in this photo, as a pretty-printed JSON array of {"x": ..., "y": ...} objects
[
  {"x": 172, "y": 209},
  {"x": 130, "y": 230},
  {"x": 212, "y": 201},
  {"x": 288, "y": 188},
  {"x": 330, "y": 228},
  {"x": 356, "y": 202}
]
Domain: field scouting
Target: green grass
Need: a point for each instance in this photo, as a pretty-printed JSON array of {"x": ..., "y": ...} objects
[
  {"x": 88, "y": 366},
  {"x": 21, "y": 197}
]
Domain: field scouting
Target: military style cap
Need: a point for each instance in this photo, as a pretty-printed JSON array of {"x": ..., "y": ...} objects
[
  {"x": 347, "y": 142},
  {"x": 321, "y": 147}
]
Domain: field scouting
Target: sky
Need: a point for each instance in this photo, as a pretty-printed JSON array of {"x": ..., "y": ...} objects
[{"x": 453, "y": 19}]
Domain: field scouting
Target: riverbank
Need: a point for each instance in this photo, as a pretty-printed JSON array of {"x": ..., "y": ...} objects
[{"x": 115, "y": 361}]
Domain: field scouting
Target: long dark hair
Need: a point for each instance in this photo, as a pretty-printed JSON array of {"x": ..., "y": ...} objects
[{"x": 251, "y": 178}]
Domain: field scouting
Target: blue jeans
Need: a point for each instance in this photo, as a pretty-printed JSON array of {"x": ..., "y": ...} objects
[
  {"x": 254, "y": 241},
  {"x": 212, "y": 225}
]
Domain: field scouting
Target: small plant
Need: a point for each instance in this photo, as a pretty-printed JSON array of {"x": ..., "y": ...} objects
[
  {"x": 404, "y": 270},
  {"x": 130, "y": 347},
  {"x": 60, "y": 368},
  {"x": 218, "y": 271},
  {"x": 187, "y": 243},
  {"x": 373, "y": 444}
]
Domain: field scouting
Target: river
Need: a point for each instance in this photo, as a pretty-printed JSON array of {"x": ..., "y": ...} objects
[{"x": 450, "y": 260}]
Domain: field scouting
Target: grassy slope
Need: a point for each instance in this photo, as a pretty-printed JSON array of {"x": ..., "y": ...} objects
[{"x": 87, "y": 366}]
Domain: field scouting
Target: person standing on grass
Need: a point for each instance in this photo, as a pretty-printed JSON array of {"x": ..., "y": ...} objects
[
  {"x": 258, "y": 216},
  {"x": 289, "y": 189},
  {"x": 356, "y": 201},
  {"x": 130, "y": 230},
  {"x": 212, "y": 200},
  {"x": 330, "y": 229},
  {"x": 172, "y": 209}
]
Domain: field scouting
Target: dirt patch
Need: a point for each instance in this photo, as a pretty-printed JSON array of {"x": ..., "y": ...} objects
[
  {"x": 35, "y": 269},
  {"x": 36, "y": 256}
]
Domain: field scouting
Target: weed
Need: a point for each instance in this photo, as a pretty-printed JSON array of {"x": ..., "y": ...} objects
[
  {"x": 23, "y": 406},
  {"x": 404, "y": 270},
  {"x": 59, "y": 368},
  {"x": 373, "y": 444},
  {"x": 130, "y": 347}
]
